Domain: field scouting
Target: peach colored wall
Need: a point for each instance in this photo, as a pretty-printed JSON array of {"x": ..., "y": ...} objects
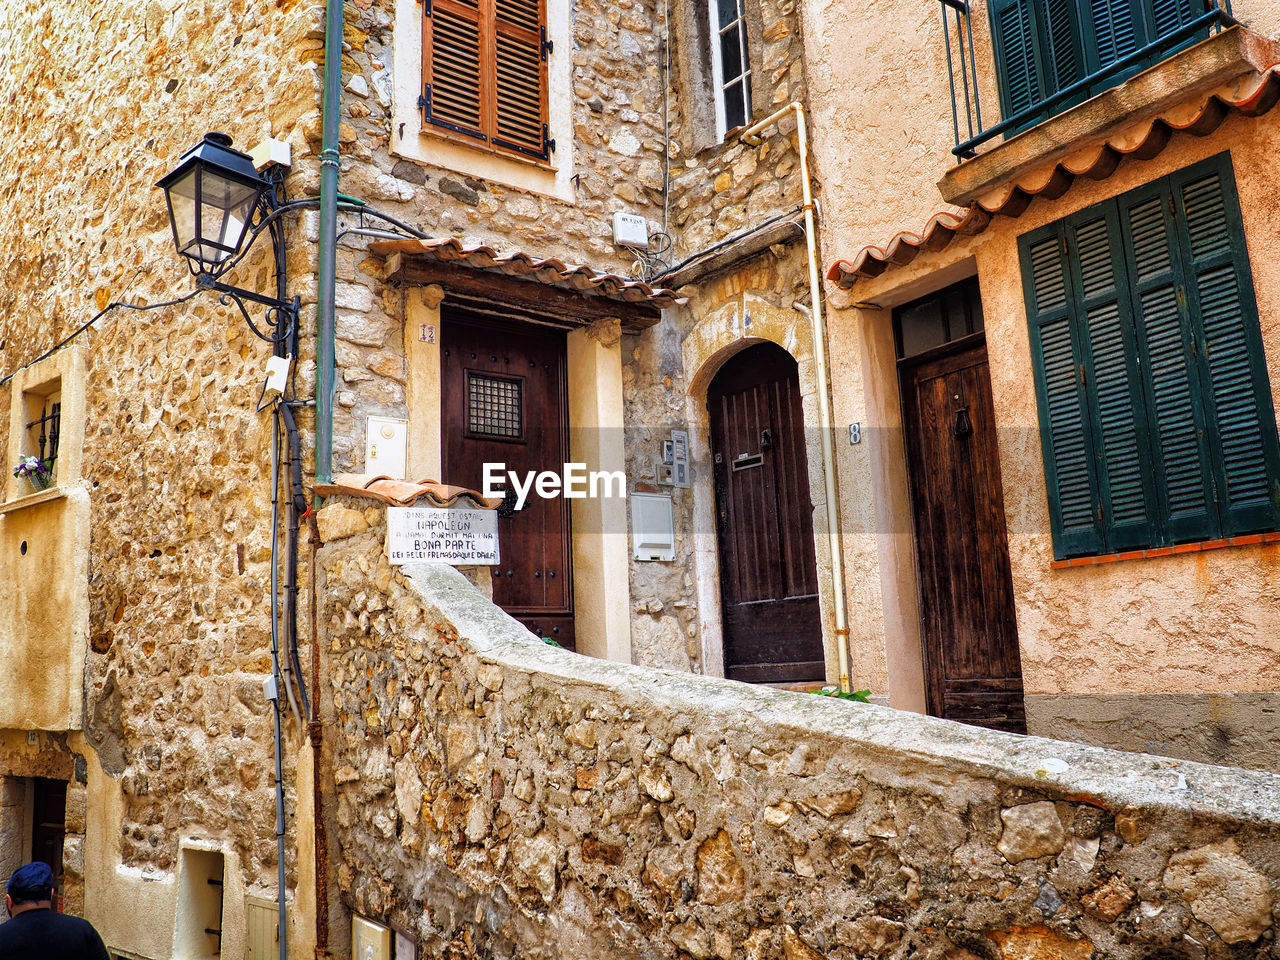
[{"x": 1199, "y": 622}]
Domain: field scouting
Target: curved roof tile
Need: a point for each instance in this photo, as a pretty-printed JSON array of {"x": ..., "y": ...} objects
[
  {"x": 549, "y": 270},
  {"x": 1097, "y": 161}
]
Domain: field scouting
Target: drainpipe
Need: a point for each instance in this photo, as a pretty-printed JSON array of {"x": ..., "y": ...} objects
[
  {"x": 327, "y": 265},
  {"x": 751, "y": 137}
]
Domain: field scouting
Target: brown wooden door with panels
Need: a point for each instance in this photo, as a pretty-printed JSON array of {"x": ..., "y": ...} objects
[
  {"x": 768, "y": 574},
  {"x": 973, "y": 672},
  {"x": 504, "y": 399}
]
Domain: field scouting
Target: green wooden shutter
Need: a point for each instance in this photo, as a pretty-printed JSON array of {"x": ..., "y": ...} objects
[
  {"x": 1116, "y": 31},
  {"x": 1113, "y": 380},
  {"x": 1180, "y": 453},
  {"x": 1060, "y": 30},
  {"x": 453, "y": 66},
  {"x": 1169, "y": 15},
  {"x": 1241, "y": 428},
  {"x": 1017, "y": 67},
  {"x": 1065, "y": 434}
]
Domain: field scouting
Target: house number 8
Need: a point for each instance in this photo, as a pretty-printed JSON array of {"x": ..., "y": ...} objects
[{"x": 855, "y": 433}]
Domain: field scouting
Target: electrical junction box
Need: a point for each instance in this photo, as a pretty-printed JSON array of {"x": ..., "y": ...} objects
[
  {"x": 369, "y": 940},
  {"x": 630, "y": 230},
  {"x": 271, "y": 151},
  {"x": 386, "y": 441},
  {"x": 653, "y": 529}
]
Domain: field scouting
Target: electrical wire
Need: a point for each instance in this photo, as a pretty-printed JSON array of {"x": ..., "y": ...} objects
[{"x": 118, "y": 305}]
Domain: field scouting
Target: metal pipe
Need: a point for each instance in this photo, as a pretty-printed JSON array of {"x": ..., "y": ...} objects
[
  {"x": 282, "y": 916},
  {"x": 326, "y": 279},
  {"x": 818, "y": 327},
  {"x": 315, "y": 731}
]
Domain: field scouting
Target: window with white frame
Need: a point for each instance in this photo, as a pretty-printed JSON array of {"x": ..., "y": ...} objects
[{"x": 730, "y": 64}]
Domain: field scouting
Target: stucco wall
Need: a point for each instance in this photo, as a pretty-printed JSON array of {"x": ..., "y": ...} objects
[
  {"x": 496, "y": 797},
  {"x": 1196, "y": 624}
]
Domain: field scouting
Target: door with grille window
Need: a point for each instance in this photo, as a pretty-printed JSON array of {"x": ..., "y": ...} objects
[{"x": 504, "y": 402}]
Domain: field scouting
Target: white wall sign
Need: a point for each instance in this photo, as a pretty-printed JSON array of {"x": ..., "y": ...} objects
[{"x": 445, "y": 535}]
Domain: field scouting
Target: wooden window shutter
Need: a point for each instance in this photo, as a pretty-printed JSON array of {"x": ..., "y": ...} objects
[
  {"x": 1228, "y": 348},
  {"x": 520, "y": 77},
  {"x": 1116, "y": 31},
  {"x": 1065, "y": 433},
  {"x": 1110, "y": 375},
  {"x": 1060, "y": 44},
  {"x": 1180, "y": 448},
  {"x": 484, "y": 68},
  {"x": 1016, "y": 62},
  {"x": 453, "y": 66}
]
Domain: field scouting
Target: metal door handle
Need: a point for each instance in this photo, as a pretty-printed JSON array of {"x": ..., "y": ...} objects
[{"x": 766, "y": 439}]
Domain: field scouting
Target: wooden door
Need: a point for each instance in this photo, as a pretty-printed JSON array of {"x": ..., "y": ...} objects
[
  {"x": 768, "y": 575},
  {"x": 504, "y": 402},
  {"x": 972, "y": 669}
]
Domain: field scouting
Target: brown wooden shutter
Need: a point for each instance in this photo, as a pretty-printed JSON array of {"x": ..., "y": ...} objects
[
  {"x": 452, "y": 66},
  {"x": 520, "y": 77}
]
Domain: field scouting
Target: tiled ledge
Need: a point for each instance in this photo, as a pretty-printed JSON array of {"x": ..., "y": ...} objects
[{"x": 1250, "y": 540}]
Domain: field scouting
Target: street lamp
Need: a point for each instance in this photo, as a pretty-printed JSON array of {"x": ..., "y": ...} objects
[{"x": 214, "y": 195}]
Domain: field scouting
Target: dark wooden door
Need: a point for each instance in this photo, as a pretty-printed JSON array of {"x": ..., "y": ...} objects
[
  {"x": 768, "y": 576},
  {"x": 504, "y": 401},
  {"x": 972, "y": 669}
]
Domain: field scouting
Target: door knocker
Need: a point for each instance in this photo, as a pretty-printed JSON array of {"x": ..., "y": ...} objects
[{"x": 963, "y": 425}]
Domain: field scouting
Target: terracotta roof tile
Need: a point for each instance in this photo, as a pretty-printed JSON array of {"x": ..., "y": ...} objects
[
  {"x": 402, "y": 493},
  {"x": 549, "y": 270},
  {"x": 1252, "y": 97}
]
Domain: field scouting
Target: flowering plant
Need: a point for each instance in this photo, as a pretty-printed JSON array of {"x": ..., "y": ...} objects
[{"x": 38, "y": 471}]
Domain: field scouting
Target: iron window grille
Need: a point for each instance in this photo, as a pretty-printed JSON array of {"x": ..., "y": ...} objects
[{"x": 45, "y": 431}]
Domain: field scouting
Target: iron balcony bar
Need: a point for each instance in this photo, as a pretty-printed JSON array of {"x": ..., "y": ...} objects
[{"x": 1217, "y": 16}]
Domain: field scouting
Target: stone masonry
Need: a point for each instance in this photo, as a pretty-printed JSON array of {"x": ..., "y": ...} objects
[{"x": 500, "y": 798}]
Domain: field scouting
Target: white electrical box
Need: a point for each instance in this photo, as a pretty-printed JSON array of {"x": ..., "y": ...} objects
[
  {"x": 271, "y": 151},
  {"x": 630, "y": 230},
  {"x": 653, "y": 529},
  {"x": 386, "y": 441},
  {"x": 369, "y": 940}
]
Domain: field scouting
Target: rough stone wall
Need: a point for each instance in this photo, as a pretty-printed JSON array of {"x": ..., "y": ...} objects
[
  {"x": 717, "y": 190},
  {"x": 499, "y": 798},
  {"x": 97, "y": 104},
  {"x": 617, "y": 155},
  {"x": 661, "y": 394}
]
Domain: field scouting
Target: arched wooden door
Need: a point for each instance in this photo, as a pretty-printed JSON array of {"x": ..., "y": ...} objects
[{"x": 764, "y": 525}]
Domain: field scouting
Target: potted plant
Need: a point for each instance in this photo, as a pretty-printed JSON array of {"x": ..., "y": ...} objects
[{"x": 39, "y": 473}]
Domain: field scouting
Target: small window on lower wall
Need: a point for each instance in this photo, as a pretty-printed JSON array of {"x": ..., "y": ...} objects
[{"x": 1155, "y": 408}]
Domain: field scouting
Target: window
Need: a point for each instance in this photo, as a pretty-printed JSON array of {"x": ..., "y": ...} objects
[
  {"x": 484, "y": 70},
  {"x": 1046, "y": 46},
  {"x": 1155, "y": 411},
  {"x": 730, "y": 65},
  {"x": 939, "y": 319}
]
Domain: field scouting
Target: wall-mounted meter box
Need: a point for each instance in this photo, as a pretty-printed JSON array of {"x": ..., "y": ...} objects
[
  {"x": 369, "y": 940},
  {"x": 630, "y": 230},
  {"x": 386, "y": 442},
  {"x": 653, "y": 530}
]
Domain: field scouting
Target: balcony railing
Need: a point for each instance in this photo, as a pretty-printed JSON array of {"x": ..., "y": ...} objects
[{"x": 962, "y": 68}]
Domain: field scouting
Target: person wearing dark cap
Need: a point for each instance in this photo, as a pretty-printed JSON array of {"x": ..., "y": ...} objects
[{"x": 37, "y": 931}]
